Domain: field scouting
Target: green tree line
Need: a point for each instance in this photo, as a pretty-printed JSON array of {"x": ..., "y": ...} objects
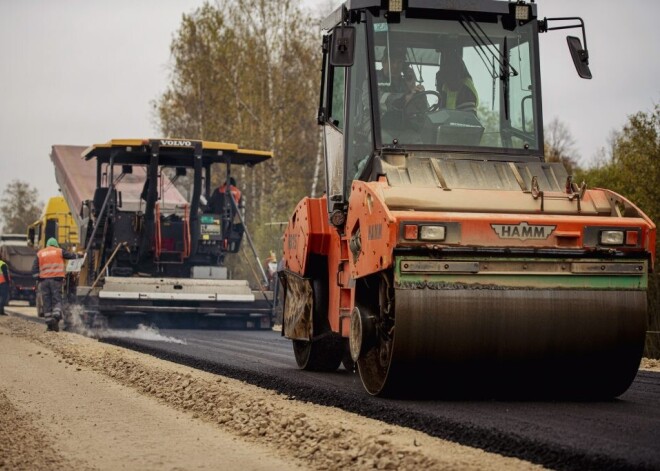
[{"x": 631, "y": 167}]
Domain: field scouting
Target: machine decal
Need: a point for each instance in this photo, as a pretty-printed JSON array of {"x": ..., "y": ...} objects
[
  {"x": 375, "y": 231},
  {"x": 522, "y": 231},
  {"x": 293, "y": 241},
  {"x": 174, "y": 143}
]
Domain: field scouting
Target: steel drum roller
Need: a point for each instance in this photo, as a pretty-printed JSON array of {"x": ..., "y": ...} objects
[{"x": 573, "y": 343}]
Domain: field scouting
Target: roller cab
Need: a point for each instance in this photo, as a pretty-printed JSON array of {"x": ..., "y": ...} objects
[{"x": 447, "y": 257}]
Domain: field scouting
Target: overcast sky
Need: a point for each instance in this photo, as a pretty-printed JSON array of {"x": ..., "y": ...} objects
[{"x": 86, "y": 71}]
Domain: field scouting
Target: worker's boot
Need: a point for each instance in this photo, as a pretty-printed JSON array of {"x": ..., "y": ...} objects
[
  {"x": 50, "y": 323},
  {"x": 57, "y": 317}
]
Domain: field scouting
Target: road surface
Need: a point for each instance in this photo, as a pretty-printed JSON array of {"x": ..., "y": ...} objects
[{"x": 621, "y": 433}]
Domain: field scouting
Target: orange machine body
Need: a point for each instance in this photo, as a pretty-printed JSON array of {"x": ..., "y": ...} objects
[{"x": 374, "y": 232}]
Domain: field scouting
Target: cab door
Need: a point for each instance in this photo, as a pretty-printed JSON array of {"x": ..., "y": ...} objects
[{"x": 332, "y": 118}]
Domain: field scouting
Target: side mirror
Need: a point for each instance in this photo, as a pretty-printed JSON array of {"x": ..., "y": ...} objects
[
  {"x": 342, "y": 46},
  {"x": 128, "y": 169},
  {"x": 580, "y": 57},
  {"x": 181, "y": 171},
  {"x": 30, "y": 237}
]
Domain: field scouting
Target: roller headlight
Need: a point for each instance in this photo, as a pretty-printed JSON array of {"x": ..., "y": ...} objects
[
  {"x": 432, "y": 232},
  {"x": 611, "y": 237}
]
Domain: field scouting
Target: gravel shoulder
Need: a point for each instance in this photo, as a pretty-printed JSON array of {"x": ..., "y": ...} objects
[
  {"x": 70, "y": 402},
  {"x": 650, "y": 364},
  {"x": 63, "y": 414}
]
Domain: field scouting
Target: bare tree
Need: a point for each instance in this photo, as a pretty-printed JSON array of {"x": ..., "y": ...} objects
[
  {"x": 559, "y": 145},
  {"x": 19, "y": 207},
  {"x": 324, "y": 8},
  {"x": 318, "y": 168}
]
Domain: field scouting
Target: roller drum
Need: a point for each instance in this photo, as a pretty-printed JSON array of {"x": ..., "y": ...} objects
[{"x": 510, "y": 342}]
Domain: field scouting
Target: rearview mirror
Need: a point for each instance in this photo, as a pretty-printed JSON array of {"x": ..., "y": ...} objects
[
  {"x": 580, "y": 57},
  {"x": 342, "y": 46}
]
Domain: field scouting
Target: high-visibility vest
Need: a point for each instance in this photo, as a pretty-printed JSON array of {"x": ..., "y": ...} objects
[
  {"x": 235, "y": 192},
  {"x": 51, "y": 263},
  {"x": 452, "y": 95},
  {"x": 2, "y": 275}
]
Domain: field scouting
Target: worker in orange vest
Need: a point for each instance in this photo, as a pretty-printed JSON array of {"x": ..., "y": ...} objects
[
  {"x": 4, "y": 286},
  {"x": 235, "y": 192},
  {"x": 51, "y": 270},
  {"x": 219, "y": 204},
  {"x": 217, "y": 201}
]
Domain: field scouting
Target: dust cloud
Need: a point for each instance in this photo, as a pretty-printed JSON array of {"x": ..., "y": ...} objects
[
  {"x": 142, "y": 332},
  {"x": 99, "y": 330}
]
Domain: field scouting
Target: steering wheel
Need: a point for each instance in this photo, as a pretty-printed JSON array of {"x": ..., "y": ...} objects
[{"x": 417, "y": 97}]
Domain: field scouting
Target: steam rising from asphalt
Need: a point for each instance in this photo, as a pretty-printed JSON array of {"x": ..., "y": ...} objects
[
  {"x": 141, "y": 333},
  {"x": 102, "y": 331}
]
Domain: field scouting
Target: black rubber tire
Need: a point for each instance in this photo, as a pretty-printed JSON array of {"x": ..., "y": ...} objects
[
  {"x": 374, "y": 365},
  {"x": 325, "y": 351},
  {"x": 318, "y": 355}
]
